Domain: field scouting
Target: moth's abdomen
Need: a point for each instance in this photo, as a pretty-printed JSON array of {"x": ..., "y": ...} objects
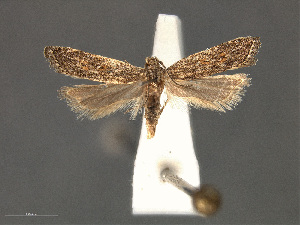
[{"x": 153, "y": 107}]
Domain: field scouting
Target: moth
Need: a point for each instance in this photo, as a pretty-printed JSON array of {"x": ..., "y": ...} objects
[{"x": 131, "y": 88}]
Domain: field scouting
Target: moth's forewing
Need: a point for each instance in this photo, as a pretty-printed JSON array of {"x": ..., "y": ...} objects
[
  {"x": 83, "y": 65},
  {"x": 230, "y": 55}
]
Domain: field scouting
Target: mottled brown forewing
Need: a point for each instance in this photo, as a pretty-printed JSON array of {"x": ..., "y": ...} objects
[
  {"x": 230, "y": 55},
  {"x": 83, "y": 65}
]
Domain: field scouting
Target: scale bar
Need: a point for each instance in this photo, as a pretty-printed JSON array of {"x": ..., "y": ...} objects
[{"x": 31, "y": 215}]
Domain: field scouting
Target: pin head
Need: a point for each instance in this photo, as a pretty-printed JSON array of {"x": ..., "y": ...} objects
[{"x": 206, "y": 200}]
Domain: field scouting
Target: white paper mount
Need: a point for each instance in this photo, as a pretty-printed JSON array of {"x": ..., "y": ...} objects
[{"x": 172, "y": 145}]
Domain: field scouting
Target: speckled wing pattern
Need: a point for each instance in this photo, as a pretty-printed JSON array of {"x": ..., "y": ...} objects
[
  {"x": 123, "y": 88},
  {"x": 83, "y": 65},
  {"x": 192, "y": 80},
  {"x": 230, "y": 55}
]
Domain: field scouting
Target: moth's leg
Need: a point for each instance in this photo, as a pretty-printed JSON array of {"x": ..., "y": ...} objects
[
  {"x": 161, "y": 63},
  {"x": 162, "y": 108},
  {"x": 182, "y": 85}
]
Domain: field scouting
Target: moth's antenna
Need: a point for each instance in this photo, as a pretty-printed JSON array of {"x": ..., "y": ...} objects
[{"x": 172, "y": 145}]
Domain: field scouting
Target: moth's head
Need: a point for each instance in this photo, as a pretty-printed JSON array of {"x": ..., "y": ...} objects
[{"x": 154, "y": 62}]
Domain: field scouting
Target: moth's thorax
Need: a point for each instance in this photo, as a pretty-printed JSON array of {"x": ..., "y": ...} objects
[{"x": 155, "y": 70}]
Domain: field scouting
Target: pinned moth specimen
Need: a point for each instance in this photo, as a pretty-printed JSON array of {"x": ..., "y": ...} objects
[{"x": 130, "y": 88}]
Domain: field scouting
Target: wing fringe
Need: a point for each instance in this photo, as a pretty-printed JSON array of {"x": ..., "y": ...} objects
[
  {"x": 98, "y": 101},
  {"x": 219, "y": 93}
]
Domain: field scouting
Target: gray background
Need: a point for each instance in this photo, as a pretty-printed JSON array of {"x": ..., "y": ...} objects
[{"x": 52, "y": 163}]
